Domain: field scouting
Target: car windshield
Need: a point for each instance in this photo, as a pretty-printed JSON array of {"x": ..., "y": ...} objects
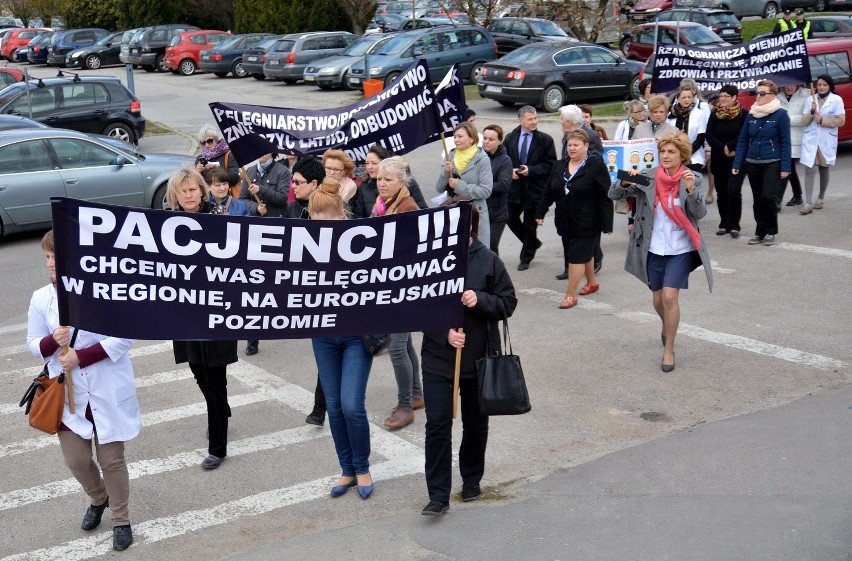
[
  {"x": 138, "y": 35},
  {"x": 107, "y": 39},
  {"x": 9, "y": 93},
  {"x": 395, "y": 45},
  {"x": 284, "y": 46},
  {"x": 359, "y": 47},
  {"x": 548, "y": 28},
  {"x": 723, "y": 20},
  {"x": 54, "y": 39},
  {"x": 699, "y": 35},
  {"x": 525, "y": 55},
  {"x": 265, "y": 44},
  {"x": 228, "y": 43}
]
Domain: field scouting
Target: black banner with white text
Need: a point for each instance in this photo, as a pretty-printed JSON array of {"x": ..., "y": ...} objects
[{"x": 151, "y": 274}]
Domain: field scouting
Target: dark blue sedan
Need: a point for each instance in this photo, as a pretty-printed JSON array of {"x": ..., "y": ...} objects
[
  {"x": 38, "y": 49},
  {"x": 227, "y": 57}
]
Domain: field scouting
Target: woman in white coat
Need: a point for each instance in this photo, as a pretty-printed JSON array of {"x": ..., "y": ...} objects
[
  {"x": 467, "y": 173},
  {"x": 106, "y": 409},
  {"x": 822, "y": 118},
  {"x": 793, "y": 100},
  {"x": 690, "y": 115}
]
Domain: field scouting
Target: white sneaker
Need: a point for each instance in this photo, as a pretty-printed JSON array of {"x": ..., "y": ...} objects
[
  {"x": 807, "y": 209},
  {"x": 818, "y": 204}
]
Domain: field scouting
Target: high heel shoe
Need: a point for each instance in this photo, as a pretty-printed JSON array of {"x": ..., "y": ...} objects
[
  {"x": 340, "y": 490},
  {"x": 668, "y": 367},
  {"x": 366, "y": 490}
]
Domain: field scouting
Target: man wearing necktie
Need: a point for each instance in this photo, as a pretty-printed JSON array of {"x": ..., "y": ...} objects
[{"x": 533, "y": 155}]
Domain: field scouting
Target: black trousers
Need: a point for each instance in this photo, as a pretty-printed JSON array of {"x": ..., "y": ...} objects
[
  {"x": 213, "y": 383},
  {"x": 496, "y": 233},
  {"x": 319, "y": 396},
  {"x": 793, "y": 179},
  {"x": 764, "y": 180},
  {"x": 438, "y": 394},
  {"x": 728, "y": 194},
  {"x": 524, "y": 229}
]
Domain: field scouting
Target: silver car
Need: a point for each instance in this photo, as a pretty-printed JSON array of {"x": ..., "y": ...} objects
[
  {"x": 37, "y": 164},
  {"x": 331, "y": 72}
]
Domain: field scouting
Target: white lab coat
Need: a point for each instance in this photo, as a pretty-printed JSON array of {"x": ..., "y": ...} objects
[
  {"x": 107, "y": 385},
  {"x": 795, "y": 109},
  {"x": 698, "y": 118},
  {"x": 819, "y": 136}
]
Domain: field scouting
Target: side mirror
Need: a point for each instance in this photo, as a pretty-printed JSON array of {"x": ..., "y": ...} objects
[{"x": 120, "y": 161}]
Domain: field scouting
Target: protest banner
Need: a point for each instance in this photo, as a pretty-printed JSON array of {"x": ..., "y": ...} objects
[
  {"x": 402, "y": 117},
  {"x": 151, "y": 274},
  {"x": 781, "y": 57},
  {"x": 636, "y": 153},
  {"x": 452, "y": 106}
]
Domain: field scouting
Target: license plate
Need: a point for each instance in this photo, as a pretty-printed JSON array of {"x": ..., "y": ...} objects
[
  {"x": 727, "y": 32},
  {"x": 493, "y": 89},
  {"x": 251, "y": 59},
  {"x": 273, "y": 62},
  {"x": 309, "y": 78},
  {"x": 354, "y": 81}
]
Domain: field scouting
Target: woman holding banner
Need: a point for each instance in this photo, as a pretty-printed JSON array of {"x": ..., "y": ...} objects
[
  {"x": 106, "y": 410},
  {"x": 823, "y": 117},
  {"x": 723, "y": 133},
  {"x": 208, "y": 360},
  {"x": 365, "y": 199},
  {"x": 488, "y": 298},
  {"x": 467, "y": 173},
  {"x": 666, "y": 244},
  {"x": 764, "y": 146},
  {"x": 394, "y": 198},
  {"x": 344, "y": 368}
]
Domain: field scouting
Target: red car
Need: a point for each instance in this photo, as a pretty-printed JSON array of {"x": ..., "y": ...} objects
[
  {"x": 17, "y": 39},
  {"x": 640, "y": 44},
  {"x": 9, "y": 75},
  {"x": 183, "y": 53},
  {"x": 644, "y": 10}
]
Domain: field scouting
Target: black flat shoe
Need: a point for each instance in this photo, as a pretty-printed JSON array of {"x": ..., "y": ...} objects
[
  {"x": 251, "y": 348},
  {"x": 562, "y": 276},
  {"x": 122, "y": 537},
  {"x": 212, "y": 462},
  {"x": 92, "y": 518},
  {"x": 523, "y": 266},
  {"x": 435, "y": 508},
  {"x": 470, "y": 492},
  {"x": 316, "y": 417}
]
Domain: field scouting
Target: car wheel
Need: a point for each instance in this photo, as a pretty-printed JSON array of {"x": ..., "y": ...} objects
[
  {"x": 148, "y": 68},
  {"x": 238, "y": 71},
  {"x": 633, "y": 89},
  {"x": 290, "y": 81},
  {"x": 770, "y": 11},
  {"x": 259, "y": 76},
  {"x": 220, "y": 74},
  {"x": 120, "y": 131},
  {"x": 160, "y": 202},
  {"x": 160, "y": 64},
  {"x": 819, "y": 6},
  {"x": 623, "y": 44},
  {"x": 552, "y": 98},
  {"x": 324, "y": 86},
  {"x": 93, "y": 62},
  {"x": 187, "y": 67},
  {"x": 475, "y": 72},
  {"x": 506, "y": 103},
  {"x": 390, "y": 78}
]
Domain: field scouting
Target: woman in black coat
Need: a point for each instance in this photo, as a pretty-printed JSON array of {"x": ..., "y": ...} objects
[
  {"x": 579, "y": 185},
  {"x": 208, "y": 360},
  {"x": 365, "y": 198},
  {"x": 489, "y": 297},
  {"x": 501, "y": 169},
  {"x": 723, "y": 132}
]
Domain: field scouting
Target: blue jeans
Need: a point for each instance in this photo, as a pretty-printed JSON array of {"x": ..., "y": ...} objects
[
  {"x": 344, "y": 368},
  {"x": 406, "y": 368}
]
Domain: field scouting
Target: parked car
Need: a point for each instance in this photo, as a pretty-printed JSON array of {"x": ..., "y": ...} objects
[
  {"x": 291, "y": 54},
  {"x": 227, "y": 56},
  {"x": 412, "y": 8},
  {"x": 255, "y": 57},
  {"x": 390, "y": 22},
  {"x": 18, "y": 38},
  {"x": 722, "y": 22},
  {"x": 184, "y": 51},
  {"x": 37, "y": 164},
  {"x": 38, "y": 48},
  {"x": 96, "y": 104},
  {"x": 815, "y": 5},
  {"x": 640, "y": 45},
  {"x": 548, "y": 75},
  {"x": 104, "y": 52},
  {"x": 831, "y": 26},
  {"x": 331, "y": 72},
  {"x": 469, "y": 45},
  {"x": 63, "y": 42},
  {"x": 767, "y": 9},
  {"x": 148, "y": 48},
  {"x": 126, "y": 39},
  {"x": 511, "y": 33},
  {"x": 20, "y": 55},
  {"x": 5, "y": 33},
  {"x": 9, "y": 75},
  {"x": 429, "y": 21},
  {"x": 15, "y": 122}
]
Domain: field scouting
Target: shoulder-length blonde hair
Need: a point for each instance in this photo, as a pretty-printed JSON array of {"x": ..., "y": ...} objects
[
  {"x": 680, "y": 141},
  {"x": 186, "y": 173},
  {"x": 348, "y": 164}
]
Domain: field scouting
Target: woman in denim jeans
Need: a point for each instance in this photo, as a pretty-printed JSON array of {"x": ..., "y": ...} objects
[
  {"x": 392, "y": 180},
  {"x": 344, "y": 368}
]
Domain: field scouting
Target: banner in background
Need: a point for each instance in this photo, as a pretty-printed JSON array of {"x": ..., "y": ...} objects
[
  {"x": 151, "y": 274},
  {"x": 637, "y": 153},
  {"x": 781, "y": 57}
]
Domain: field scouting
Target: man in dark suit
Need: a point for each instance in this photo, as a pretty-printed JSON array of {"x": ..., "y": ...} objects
[{"x": 533, "y": 154}]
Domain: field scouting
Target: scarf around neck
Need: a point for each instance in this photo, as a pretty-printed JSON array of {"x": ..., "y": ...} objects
[
  {"x": 389, "y": 206},
  {"x": 218, "y": 149},
  {"x": 728, "y": 113},
  {"x": 666, "y": 188},
  {"x": 761, "y": 111},
  {"x": 681, "y": 112},
  {"x": 463, "y": 157}
]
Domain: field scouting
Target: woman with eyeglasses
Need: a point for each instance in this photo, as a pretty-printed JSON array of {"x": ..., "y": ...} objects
[
  {"x": 339, "y": 166},
  {"x": 215, "y": 153},
  {"x": 723, "y": 133},
  {"x": 764, "y": 148},
  {"x": 635, "y": 114}
]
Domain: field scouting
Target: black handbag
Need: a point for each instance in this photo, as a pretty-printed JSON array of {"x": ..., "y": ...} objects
[
  {"x": 374, "y": 344},
  {"x": 502, "y": 388}
]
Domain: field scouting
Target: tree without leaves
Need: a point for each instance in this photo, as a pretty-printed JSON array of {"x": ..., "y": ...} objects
[{"x": 359, "y": 12}]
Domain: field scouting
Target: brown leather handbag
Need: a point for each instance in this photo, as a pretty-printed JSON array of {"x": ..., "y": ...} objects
[{"x": 47, "y": 403}]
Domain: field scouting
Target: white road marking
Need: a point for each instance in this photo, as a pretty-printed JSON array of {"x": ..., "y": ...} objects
[
  {"x": 54, "y": 489},
  {"x": 13, "y": 328},
  {"x": 827, "y": 251},
  {"x": 715, "y": 266},
  {"x": 734, "y": 341},
  {"x": 34, "y": 370}
]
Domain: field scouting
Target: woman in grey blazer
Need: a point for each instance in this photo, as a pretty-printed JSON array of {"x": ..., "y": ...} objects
[{"x": 666, "y": 244}]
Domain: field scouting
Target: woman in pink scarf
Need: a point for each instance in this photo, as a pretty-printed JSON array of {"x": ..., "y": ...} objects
[{"x": 666, "y": 244}]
